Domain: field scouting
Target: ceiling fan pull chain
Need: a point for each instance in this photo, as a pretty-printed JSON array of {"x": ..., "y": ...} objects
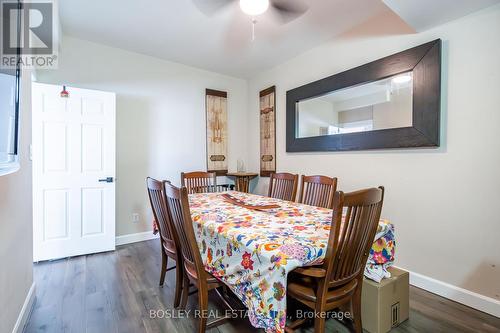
[{"x": 254, "y": 21}]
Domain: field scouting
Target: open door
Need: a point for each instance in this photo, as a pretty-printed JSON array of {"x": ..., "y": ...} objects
[{"x": 73, "y": 171}]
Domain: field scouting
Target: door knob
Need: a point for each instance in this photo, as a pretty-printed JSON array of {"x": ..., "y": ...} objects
[{"x": 106, "y": 180}]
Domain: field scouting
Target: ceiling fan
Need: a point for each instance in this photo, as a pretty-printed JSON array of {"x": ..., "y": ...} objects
[{"x": 287, "y": 10}]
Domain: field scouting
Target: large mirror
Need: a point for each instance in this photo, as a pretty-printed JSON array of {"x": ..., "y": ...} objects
[
  {"x": 378, "y": 105},
  {"x": 390, "y": 103}
]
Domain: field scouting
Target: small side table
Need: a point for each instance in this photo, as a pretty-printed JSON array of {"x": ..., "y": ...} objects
[{"x": 242, "y": 180}]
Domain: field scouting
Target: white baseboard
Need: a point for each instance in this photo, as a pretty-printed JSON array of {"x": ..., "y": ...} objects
[
  {"x": 22, "y": 319},
  {"x": 454, "y": 293},
  {"x": 133, "y": 238}
]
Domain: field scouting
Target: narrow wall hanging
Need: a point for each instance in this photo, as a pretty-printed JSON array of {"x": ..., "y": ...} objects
[
  {"x": 267, "y": 131},
  {"x": 216, "y": 109}
]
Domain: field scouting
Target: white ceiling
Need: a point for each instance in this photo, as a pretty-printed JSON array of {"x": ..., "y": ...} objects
[
  {"x": 425, "y": 14},
  {"x": 177, "y": 30}
]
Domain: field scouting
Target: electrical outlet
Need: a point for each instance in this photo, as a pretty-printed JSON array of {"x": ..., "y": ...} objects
[{"x": 135, "y": 218}]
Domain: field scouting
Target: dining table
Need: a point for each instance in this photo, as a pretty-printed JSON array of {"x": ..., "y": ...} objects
[{"x": 252, "y": 251}]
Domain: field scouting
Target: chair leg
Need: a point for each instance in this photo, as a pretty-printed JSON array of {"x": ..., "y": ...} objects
[
  {"x": 185, "y": 292},
  {"x": 203, "y": 300},
  {"x": 319, "y": 318},
  {"x": 179, "y": 280},
  {"x": 356, "y": 310},
  {"x": 319, "y": 325},
  {"x": 164, "y": 262}
]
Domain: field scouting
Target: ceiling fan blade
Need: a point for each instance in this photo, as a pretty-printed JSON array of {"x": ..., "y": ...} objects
[
  {"x": 288, "y": 10},
  {"x": 210, "y": 7}
]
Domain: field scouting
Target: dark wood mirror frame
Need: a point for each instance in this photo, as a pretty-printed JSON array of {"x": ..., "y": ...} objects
[{"x": 425, "y": 63}]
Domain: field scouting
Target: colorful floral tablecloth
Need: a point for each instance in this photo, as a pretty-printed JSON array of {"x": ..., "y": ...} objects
[{"x": 252, "y": 251}]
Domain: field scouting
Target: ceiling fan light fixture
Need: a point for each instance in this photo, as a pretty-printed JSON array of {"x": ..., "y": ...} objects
[
  {"x": 254, "y": 7},
  {"x": 403, "y": 78}
]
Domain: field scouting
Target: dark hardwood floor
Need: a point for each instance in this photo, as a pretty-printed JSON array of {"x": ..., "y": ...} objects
[{"x": 115, "y": 292}]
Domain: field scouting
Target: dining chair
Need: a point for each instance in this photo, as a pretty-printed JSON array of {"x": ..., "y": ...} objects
[
  {"x": 338, "y": 281},
  {"x": 194, "y": 270},
  {"x": 168, "y": 236},
  {"x": 199, "y": 181},
  {"x": 318, "y": 191},
  {"x": 283, "y": 186}
]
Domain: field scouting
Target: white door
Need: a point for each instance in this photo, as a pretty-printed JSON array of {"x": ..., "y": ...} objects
[{"x": 73, "y": 156}]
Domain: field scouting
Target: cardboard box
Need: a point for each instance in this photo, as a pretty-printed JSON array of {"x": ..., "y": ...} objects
[{"x": 385, "y": 305}]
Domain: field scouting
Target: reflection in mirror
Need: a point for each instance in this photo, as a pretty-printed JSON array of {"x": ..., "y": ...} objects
[{"x": 376, "y": 105}]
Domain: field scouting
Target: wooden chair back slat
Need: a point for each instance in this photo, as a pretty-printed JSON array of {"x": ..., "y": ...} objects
[
  {"x": 178, "y": 207},
  {"x": 160, "y": 211},
  {"x": 199, "y": 181},
  {"x": 318, "y": 191},
  {"x": 283, "y": 186},
  {"x": 351, "y": 238}
]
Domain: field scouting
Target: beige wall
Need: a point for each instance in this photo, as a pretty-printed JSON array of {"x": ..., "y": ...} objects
[
  {"x": 314, "y": 114},
  {"x": 160, "y": 117},
  {"x": 349, "y": 116},
  {"x": 396, "y": 113},
  {"x": 16, "y": 231},
  {"x": 442, "y": 201}
]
